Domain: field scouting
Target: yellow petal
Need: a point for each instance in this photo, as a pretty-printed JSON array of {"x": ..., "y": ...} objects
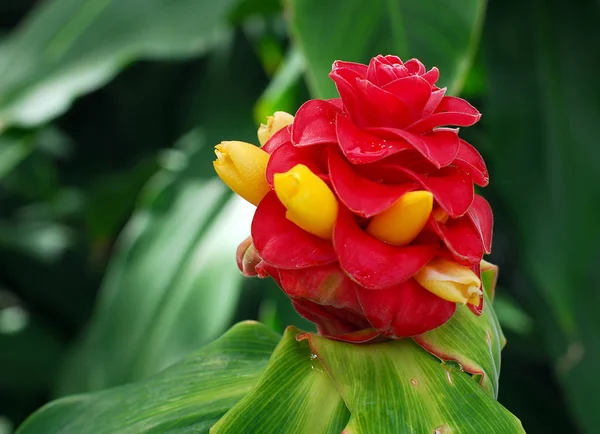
[
  {"x": 274, "y": 124},
  {"x": 404, "y": 220},
  {"x": 309, "y": 202},
  {"x": 243, "y": 167},
  {"x": 450, "y": 281}
]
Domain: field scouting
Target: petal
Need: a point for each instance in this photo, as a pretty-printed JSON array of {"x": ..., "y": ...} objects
[
  {"x": 450, "y": 111},
  {"x": 324, "y": 285},
  {"x": 337, "y": 103},
  {"x": 281, "y": 243},
  {"x": 265, "y": 270},
  {"x": 434, "y": 101},
  {"x": 461, "y": 238},
  {"x": 413, "y": 90},
  {"x": 278, "y": 139},
  {"x": 382, "y": 71},
  {"x": 389, "y": 170},
  {"x": 378, "y": 107},
  {"x": 339, "y": 66},
  {"x": 357, "y": 337},
  {"x": 361, "y": 195},
  {"x": 315, "y": 123},
  {"x": 451, "y": 187},
  {"x": 373, "y": 263},
  {"x": 440, "y": 147},
  {"x": 287, "y": 156},
  {"x": 432, "y": 76},
  {"x": 369, "y": 106},
  {"x": 470, "y": 160},
  {"x": 330, "y": 320},
  {"x": 360, "y": 147},
  {"x": 415, "y": 66},
  {"x": 483, "y": 220},
  {"x": 390, "y": 59},
  {"x": 404, "y": 310}
]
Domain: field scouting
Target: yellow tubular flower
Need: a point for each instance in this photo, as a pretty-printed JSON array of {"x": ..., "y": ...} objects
[
  {"x": 274, "y": 124},
  {"x": 450, "y": 281},
  {"x": 243, "y": 167},
  {"x": 309, "y": 202},
  {"x": 404, "y": 220}
]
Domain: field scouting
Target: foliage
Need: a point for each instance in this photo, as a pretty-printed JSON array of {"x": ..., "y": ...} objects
[{"x": 109, "y": 110}]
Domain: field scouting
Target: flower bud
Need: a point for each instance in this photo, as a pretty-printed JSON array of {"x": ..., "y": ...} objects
[
  {"x": 247, "y": 258},
  {"x": 242, "y": 167},
  {"x": 274, "y": 124},
  {"x": 450, "y": 281},
  {"x": 404, "y": 220},
  {"x": 310, "y": 203}
]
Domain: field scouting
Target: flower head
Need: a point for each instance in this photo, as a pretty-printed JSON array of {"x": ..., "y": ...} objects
[{"x": 369, "y": 222}]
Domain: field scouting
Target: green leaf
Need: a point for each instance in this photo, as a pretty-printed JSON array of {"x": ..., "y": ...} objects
[
  {"x": 541, "y": 119},
  {"x": 398, "y": 387},
  {"x": 439, "y": 33},
  {"x": 294, "y": 395},
  {"x": 67, "y": 48},
  {"x": 474, "y": 342},
  {"x": 283, "y": 91},
  {"x": 188, "y": 397}
]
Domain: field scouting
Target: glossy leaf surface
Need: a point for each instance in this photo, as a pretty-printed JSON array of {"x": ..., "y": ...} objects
[
  {"x": 188, "y": 397},
  {"x": 439, "y": 33}
]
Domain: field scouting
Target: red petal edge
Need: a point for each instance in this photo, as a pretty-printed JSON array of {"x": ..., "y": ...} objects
[
  {"x": 373, "y": 263},
  {"x": 361, "y": 195},
  {"x": 404, "y": 310},
  {"x": 281, "y": 243}
]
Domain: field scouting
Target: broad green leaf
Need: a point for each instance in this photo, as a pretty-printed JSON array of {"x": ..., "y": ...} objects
[
  {"x": 294, "y": 395},
  {"x": 439, "y": 33},
  {"x": 187, "y": 397},
  {"x": 67, "y": 48},
  {"x": 541, "y": 119},
  {"x": 398, "y": 387},
  {"x": 474, "y": 342}
]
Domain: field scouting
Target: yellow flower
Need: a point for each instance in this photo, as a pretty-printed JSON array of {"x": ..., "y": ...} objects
[
  {"x": 242, "y": 167},
  {"x": 450, "y": 281},
  {"x": 308, "y": 200}
]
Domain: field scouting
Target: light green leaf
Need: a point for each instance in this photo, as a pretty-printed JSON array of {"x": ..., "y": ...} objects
[
  {"x": 282, "y": 92},
  {"x": 396, "y": 387},
  {"x": 474, "y": 342},
  {"x": 439, "y": 33},
  {"x": 188, "y": 397},
  {"x": 67, "y": 48},
  {"x": 294, "y": 395}
]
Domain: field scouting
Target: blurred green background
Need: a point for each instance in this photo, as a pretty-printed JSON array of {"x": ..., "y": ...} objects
[{"x": 117, "y": 243}]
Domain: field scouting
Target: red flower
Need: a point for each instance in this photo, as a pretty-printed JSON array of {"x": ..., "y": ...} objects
[{"x": 409, "y": 227}]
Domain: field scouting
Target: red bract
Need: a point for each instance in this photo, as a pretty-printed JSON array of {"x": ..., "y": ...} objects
[{"x": 392, "y": 131}]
